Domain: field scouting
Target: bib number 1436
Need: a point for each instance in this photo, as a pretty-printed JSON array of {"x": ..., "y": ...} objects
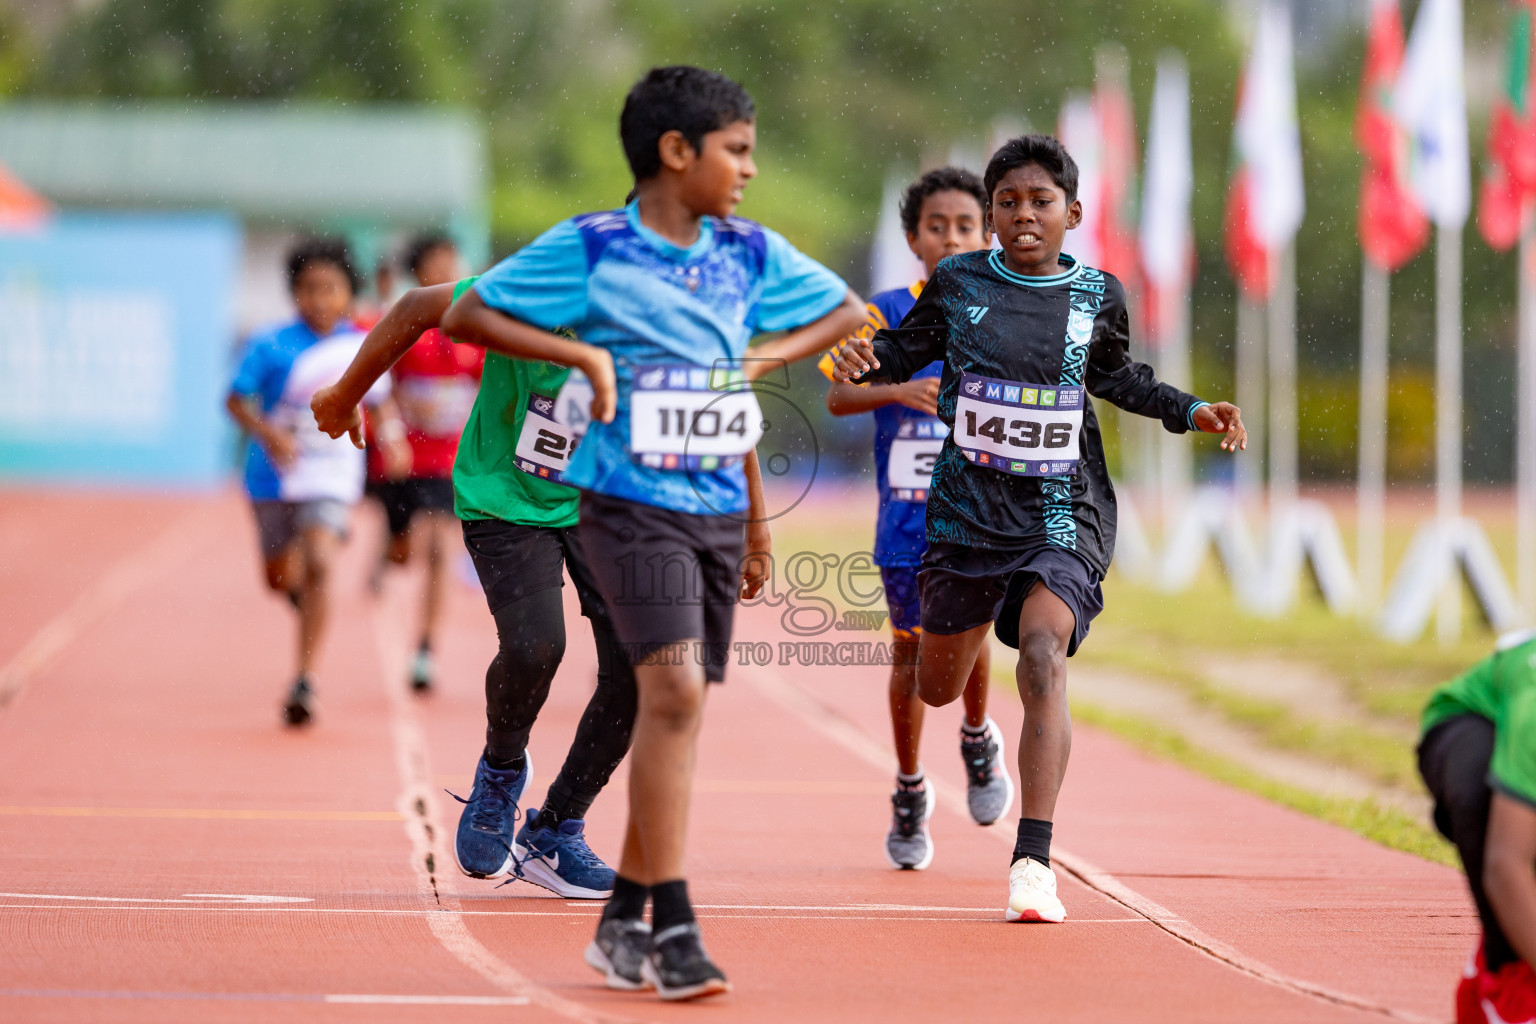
[{"x": 1025, "y": 429}]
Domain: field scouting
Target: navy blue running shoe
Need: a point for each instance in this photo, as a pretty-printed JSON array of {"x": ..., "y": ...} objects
[
  {"x": 560, "y": 860},
  {"x": 483, "y": 846}
]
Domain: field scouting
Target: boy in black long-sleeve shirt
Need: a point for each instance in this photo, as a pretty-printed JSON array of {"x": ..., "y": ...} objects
[{"x": 1021, "y": 515}]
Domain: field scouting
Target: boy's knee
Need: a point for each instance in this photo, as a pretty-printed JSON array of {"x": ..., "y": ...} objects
[
  {"x": 673, "y": 703},
  {"x": 904, "y": 679},
  {"x": 1041, "y": 658}
]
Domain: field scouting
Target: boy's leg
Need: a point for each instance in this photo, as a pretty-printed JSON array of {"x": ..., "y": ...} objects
[
  {"x": 906, "y": 708},
  {"x": 661, "y": 773},
  {"x": 1046, "y": 625},
  {"x": 519, "y": 568},
  {"x": 988, "y": 786},
  {"x": 1045, "y": 742},
  {"x": 1453, "y": 759},
  {"x": 945, "y": 662},
  {"x": 907, "y": 843}
]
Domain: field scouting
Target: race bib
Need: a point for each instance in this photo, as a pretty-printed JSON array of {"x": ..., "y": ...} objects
[
  {"x": 1027, "y": 429},
  {"x": 436, "y": 406},
  {"x": 553, "y": 427},
  {"x": 683, "y": 417},
  {"x": 909, "y": 464}
]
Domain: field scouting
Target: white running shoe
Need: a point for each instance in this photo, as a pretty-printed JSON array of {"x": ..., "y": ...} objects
[{"x": 1032, "y": 893}]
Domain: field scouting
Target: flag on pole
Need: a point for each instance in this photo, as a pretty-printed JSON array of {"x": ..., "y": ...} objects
[
  {"x": 1430, "y": 103},
  {"x": 1392, "y": 227},
  {"x": 21, "y": 209},
  {"x": 1117, "y": 164},
  {"x": 1510, "y": 177},
  {"x": 1078, "y": 130},
  {"x": 891, "y": 262},
  {"x": 1265, "y": 200},
  {"x": 1167, "y": 244}
]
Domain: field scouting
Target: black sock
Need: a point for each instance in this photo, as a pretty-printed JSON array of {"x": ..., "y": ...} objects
[
  {"x": 425, "y": 646},
  {"x": 907, "y": 782},
  {"x": 973, "y": 731},
  {"x": 1034, "y": 841},
  {"x": 669, "y": 905},
  {"x": 506, "y": 764},
  {"x": 627, "y": 901}
]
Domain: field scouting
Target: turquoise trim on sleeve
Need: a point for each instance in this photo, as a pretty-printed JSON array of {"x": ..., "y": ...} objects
[{"x": 1190, "y": 416}]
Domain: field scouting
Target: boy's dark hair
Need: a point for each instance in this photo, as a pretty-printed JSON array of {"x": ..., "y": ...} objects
[
  {"x": 322, "y": 250},
  {"x": 1045, "y": 151},
  {"x": 683, "y": 99},
  {"x": 941, "y": 179},
  {"x": 423, "y": 244}
]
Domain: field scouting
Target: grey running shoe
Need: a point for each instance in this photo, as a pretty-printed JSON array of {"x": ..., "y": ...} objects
[
  {"x": 907, "y": 845},
  {"x": 988, "y": 787},
  {"x": 619, "y": 950},
  {"x": 679, "y": 967}
]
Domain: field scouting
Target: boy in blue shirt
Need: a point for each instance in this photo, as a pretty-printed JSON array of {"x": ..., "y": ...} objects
[
  {"x": 302, "y": 485},
  {"x": 942, "y": 213},
  {"x": 664, "y": 296}
]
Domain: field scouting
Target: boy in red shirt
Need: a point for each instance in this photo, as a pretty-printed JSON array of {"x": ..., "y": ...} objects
[{"x": 435, "y": 383}]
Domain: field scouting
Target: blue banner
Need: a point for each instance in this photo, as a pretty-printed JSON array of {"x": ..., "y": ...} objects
[{"x": 115, "y": 334}]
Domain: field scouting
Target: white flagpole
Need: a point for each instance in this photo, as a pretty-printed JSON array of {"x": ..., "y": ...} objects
[
  {"x": 1250, "y": 396},
  {"x": 1371, "y": 484},
  {"x": 1448, "y": 433},
  {"x": 1525, "y": 405},
  {"x": 1282, "y": 384}
]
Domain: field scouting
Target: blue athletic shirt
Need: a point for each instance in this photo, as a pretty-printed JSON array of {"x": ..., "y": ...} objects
[
  {"x": 620, "y": 285},
  {"x": 264, "y": 367},
  {"x": 900, "y": 526}
]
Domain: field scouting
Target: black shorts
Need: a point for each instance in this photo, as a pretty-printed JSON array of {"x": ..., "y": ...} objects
[
  {"x": 514, "y": 561},
  {"x": 965, "y": 587},
  {"x": 665, "y": 576},
  {"x": 402, "y": 499}
]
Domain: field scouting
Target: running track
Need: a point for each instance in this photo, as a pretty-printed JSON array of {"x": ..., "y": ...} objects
[{"x": 167, "y": 852}]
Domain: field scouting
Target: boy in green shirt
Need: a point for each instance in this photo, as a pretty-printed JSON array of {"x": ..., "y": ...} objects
[{"x": 1478, "y": 758}]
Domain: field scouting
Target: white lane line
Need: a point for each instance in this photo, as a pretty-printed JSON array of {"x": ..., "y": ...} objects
[
  {"x": 430, "y": 1000},
  {"x": 834, "y": 725},
  {"x": 138, "y": 569},
  {"x": 889, "y": 918},
  {"x": 429, "y": 853},
  {"x": 191, "y": 897}
]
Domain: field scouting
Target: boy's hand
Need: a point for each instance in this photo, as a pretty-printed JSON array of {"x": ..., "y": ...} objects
[
  {"x": 921, "y": 394},
  {"x": 757, "y": 565},
  {"x": 336, "y": 416},
  {"x": 855, "y": 358},
  {"x": 1223, "y": 417},
  {"x": 598, "y": 366},
  {"x": 282, "y": 447}
]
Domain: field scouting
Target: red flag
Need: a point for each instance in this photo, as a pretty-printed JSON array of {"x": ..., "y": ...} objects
[
  {"x": 1510, "y": 178},
  {"x": 20, "y": 207},
  {"x": 1117, "y": 136},
  {"x": 1247, "y": 256},
  {"x": 1392, "y": 227}
]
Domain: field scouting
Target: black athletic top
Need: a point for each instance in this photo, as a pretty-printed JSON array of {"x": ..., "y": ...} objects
[{"x": 1067, "y": 330}]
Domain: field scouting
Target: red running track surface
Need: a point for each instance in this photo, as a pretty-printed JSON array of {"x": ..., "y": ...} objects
[{"x": 169, "y": 852}]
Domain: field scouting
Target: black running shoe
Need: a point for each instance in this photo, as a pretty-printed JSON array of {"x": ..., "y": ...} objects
[
  {"x": 422, "y": 670},
  {"x": 299, "y": 708},
  {"x": 619, "y": 950},
  {"x": 679, "y": 967}
]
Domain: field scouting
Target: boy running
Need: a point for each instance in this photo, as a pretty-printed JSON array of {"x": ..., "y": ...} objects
[
  {"x": 665, "y": 295},
  {"x": 519, "y": 528},
  {"x": 435, "y": 383},
  {"x": 1021, "y": 518},
  {"x": 942, "y": 213},
  {"x": 302, "y": 485},
  {"x": 1478, "y": 759}
]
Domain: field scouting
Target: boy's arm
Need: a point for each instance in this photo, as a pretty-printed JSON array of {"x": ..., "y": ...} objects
[
  {"x": 815, "y": 337},
  {"x": 469, "y": 319},
  {"x": 1509, "y": 871},
  {"x": 418, "y": 310},
  {"x": 922, "y": 394},
  {"x": 279, "y": 444},
  {"x": 757, "y": 563},
  {"x": 1117, "y": 378},
  {"x": 896, "y": 353}
]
